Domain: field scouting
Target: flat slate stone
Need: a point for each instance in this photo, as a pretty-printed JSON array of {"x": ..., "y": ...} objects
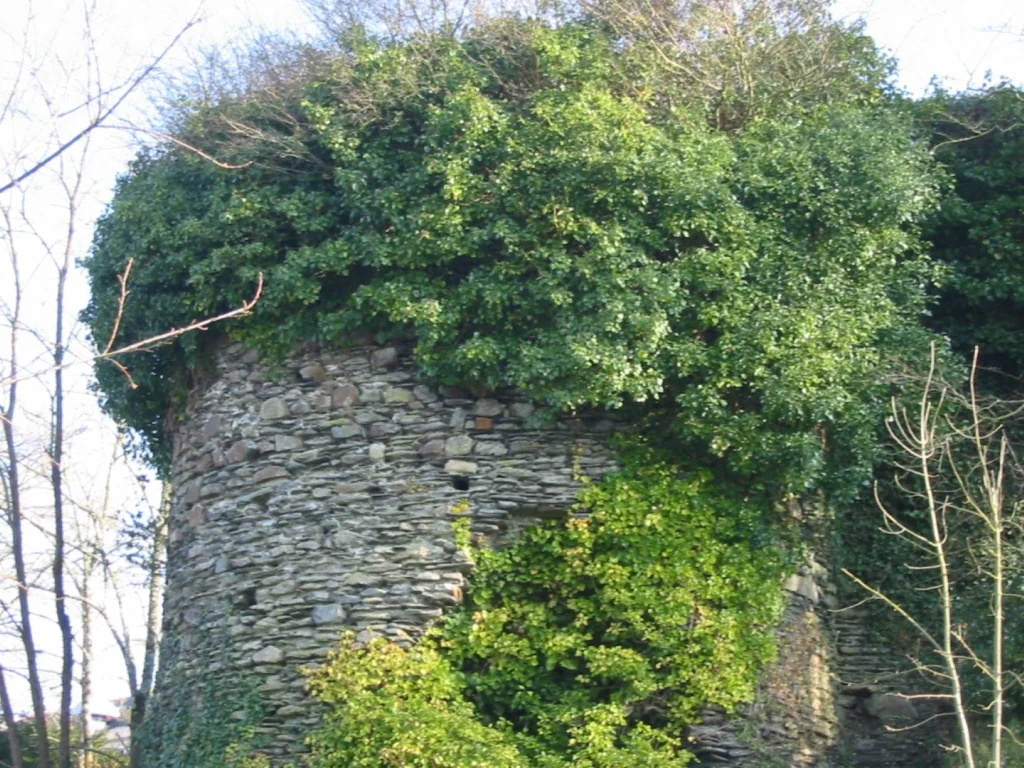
[
  {"x": 270, "y": 473},
  {"x": 345, "y": 396},
  {"x": 458, "y": 445},
  {"x": 269, "y": 655},
  {"x": 488, "y": 407},
  {"x": 243, "y": 450},
  {"x": 457, "y": 467},
  {"x": 384, "y": 358}
]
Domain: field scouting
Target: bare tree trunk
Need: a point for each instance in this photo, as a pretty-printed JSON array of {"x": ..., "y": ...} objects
[
  {"x": 92, "y": 544},
  {"x": 140, "y": 697},
  {"x": 993, "y": 482},
  {"x": 56, "y": 477},
  {"x": 15, "y": 519},
  {"x": 967, "y": 468},
  {"x": 85, "y": 758},
  {"x": 13, "y": 735},
  {"x": 928, "y": 450},
  {"x": 998, "y": 688}
]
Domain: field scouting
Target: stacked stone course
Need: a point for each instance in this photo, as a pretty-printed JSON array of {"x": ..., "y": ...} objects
[{"x": 317, "y": 495}]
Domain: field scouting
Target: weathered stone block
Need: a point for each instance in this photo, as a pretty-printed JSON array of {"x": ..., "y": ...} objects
[
  {"x": 397, "y": 395},
  {"x": 313, "y": 372},
  {"x": 457, "y": 467},
  {"x": 488, "y": 407},
  {"x": 383, "y": 429},
  {"x": 273, "y": 409},
  {"x": 272, "y": 472},
  {"x": 346, "y": 432},
  {"x": 345, "y": 396},
  {"x": 891, "y": 708},
  {"x": 490, "y": 448},
  {"x": 522, "y": 410},
  {"x": 803, "y": 586},
  {"x": 212, "y": 427},
  {"x": 243, "y": 450},
  {"x": 288, "y": 443},
  {"x": 299, "y": 408},
  {"x": 369, "y": 417},
  {"x": 432, "y": 448},
  {"x": 205, "y": 463},
  {"x": 424, "y": 394},
  {"x": 269, "y": 655},
  {"x": 458, "y": 418},
  {"x": 382, "y": 359},
  {"x": 328, "y": 614},
  {"x": 197, "y": 516},
  {"x": 458, "y": 445}
]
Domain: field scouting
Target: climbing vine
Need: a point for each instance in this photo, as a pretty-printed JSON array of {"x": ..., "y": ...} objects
[
  {"x": 591, "y": 641},
  {"x": 208, "y": 722}
]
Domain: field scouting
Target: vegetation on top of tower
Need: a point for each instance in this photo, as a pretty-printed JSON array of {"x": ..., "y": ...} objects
[{"x": 559, "y": 209}]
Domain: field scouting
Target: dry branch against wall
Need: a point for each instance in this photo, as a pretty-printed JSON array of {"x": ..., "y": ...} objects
[{"x": 958, "y": 465}]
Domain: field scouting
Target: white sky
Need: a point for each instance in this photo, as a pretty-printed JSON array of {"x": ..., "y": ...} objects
[{"x": 956, "y": 41}]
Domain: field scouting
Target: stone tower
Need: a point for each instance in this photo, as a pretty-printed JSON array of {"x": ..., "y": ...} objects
[{"x": 316, "y": 495}]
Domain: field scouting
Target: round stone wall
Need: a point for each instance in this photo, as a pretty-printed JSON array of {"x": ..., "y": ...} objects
[{"x": 317, "y": 496}]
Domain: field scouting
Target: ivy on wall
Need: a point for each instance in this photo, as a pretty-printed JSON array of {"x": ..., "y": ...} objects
[
  {"x": 208, "y": 722},
  {"x": 591, "y": 641}
]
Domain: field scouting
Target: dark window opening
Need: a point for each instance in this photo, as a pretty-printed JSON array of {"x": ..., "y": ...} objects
[
  {"x": 460, "y": 482},
  {"x": 248, "y": 598}
]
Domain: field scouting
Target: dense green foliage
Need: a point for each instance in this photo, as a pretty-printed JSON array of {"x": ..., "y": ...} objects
[
  {"x": 979, "y": 230},
  {"x": 591, "y": 641},
  {"x": 726, "y": 238},
  {"x": 543, "y": 217}
]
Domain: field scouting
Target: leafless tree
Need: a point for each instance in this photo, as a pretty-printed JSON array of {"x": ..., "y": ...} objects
[
  {"x": 959, "y": 466},
  {"x": 52, "y": 106},
  {"x": 125, "y": 559}
]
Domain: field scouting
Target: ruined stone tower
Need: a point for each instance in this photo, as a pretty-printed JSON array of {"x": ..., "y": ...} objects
[{"x": 316, "y": 495}]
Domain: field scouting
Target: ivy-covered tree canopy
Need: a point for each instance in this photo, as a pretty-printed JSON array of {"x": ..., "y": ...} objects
[
  {"x": 544, "y": 209},
  {"x": 979, "y": 231}
]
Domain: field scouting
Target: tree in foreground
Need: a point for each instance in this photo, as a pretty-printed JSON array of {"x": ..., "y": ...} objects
[{"x": 963, "y": 514}]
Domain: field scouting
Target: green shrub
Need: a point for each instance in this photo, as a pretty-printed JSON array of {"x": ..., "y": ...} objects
[
  {"x": 538, "y": 209},
  {"x": 588, "y": 642}
]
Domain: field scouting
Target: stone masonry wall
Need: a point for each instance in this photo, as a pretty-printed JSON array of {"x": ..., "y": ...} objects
[
  {"x": 836, "y": 696},
  {"x": 317, "y": 496}
]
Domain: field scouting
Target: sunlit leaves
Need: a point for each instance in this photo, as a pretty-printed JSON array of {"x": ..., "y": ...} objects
[
  {"x": 541, "y": 221},
  {"x": 591, "y": 641}
]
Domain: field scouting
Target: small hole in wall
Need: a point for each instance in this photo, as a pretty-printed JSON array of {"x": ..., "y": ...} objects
[
  {"x": 248, "y": 598},
  {"x": 460, "y": 482}
]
